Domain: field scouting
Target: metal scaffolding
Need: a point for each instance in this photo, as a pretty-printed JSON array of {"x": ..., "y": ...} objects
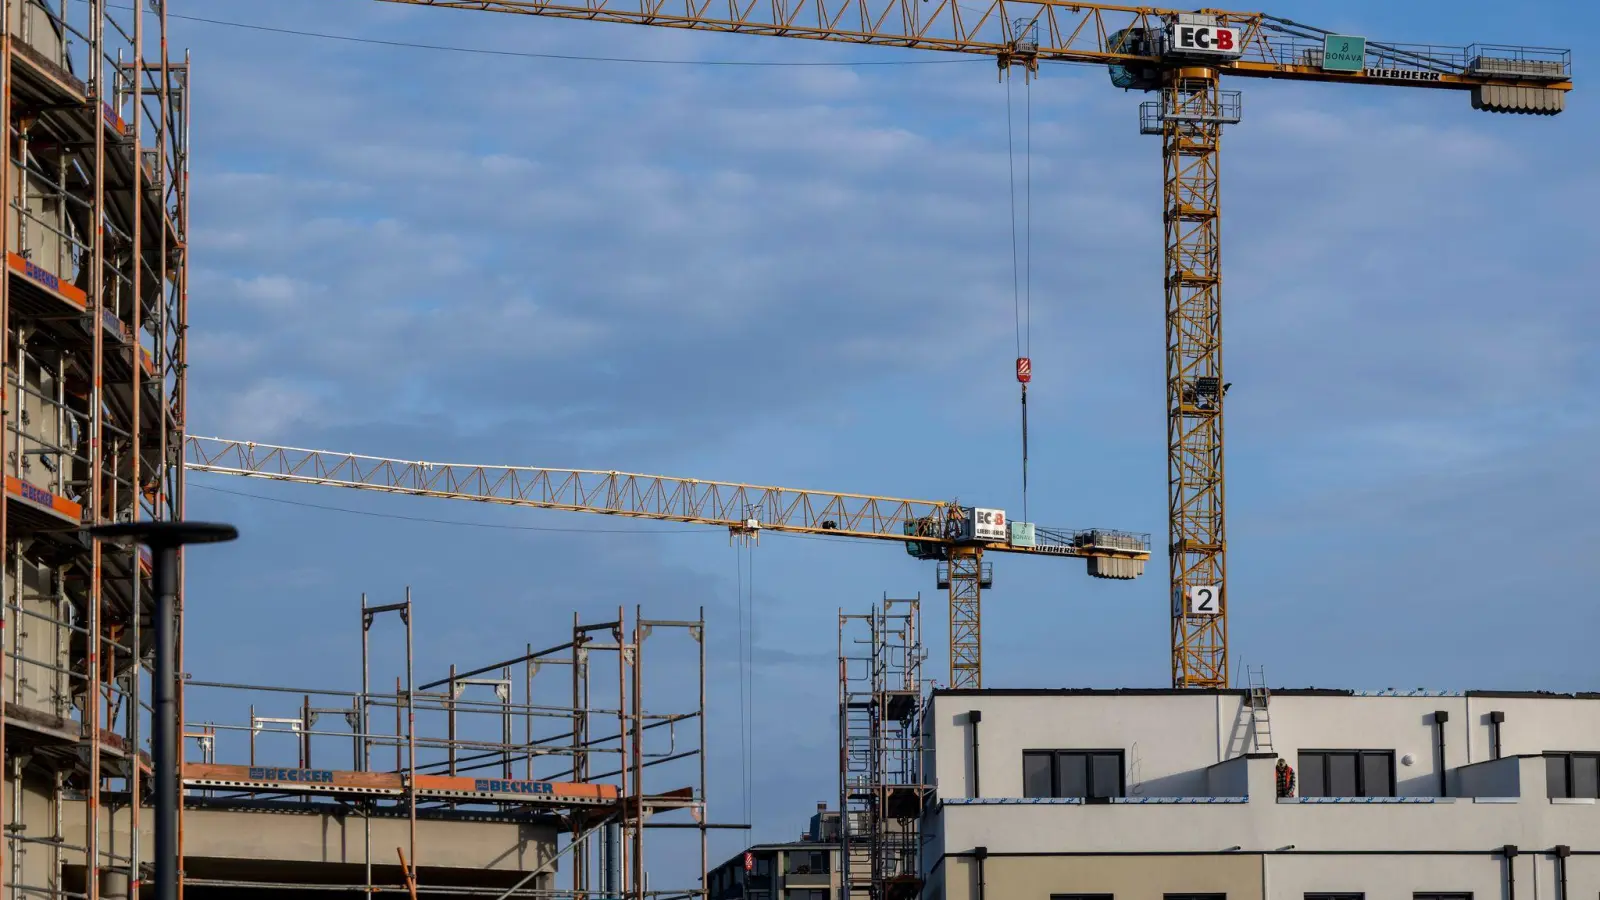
[
  {"x": 496, "y": 742},
  {"x": 882, "y": 786},
  {"x": 94, "y": 298}
]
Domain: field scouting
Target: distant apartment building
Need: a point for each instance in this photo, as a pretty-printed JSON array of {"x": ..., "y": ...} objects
[
  {"x": 1167, "y": 795},
  {"x": 805, "y": 869}
]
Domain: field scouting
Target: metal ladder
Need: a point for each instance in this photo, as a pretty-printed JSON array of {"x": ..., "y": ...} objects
[{"x": 1260, "y": 717}]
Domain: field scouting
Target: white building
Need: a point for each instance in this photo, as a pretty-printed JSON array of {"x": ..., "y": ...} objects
[{"x": 1168, "y": 795}]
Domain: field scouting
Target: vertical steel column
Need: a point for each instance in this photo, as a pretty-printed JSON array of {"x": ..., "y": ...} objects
[
  {"x": 705, "y": 807},
  {"x": 844, "y": 764},
  {"x": 7, "y": 822},
  {"x": 527, "y": 716},
  {"x": 96, "y": 73},
  {"x": 1191, "y": 129},
  {"x": 506, "y": 715},
  {"x": 136, "y": 440},
  {"x": 621, "y": 637},
  {"x": 637, "y": 749},
  {"x": 411, "y": 739},
  {"x": 580, "y": 861},
  {"x": 366, "y": 687},
  {"x": 966, "y": 594},
  {"x": 450, "y": 723},
  {"x": 179, "y": 362}
]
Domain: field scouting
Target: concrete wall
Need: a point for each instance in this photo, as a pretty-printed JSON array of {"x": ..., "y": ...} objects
[
  {"x": 1169, "y": 740},
  {"x": 39, "y": 231},
  {"x": 1229, "y": 778},
  {"x": 1193, "y": 798},
  {"x": 1496, "y": 778},
  {"x": 1268, "y": 824},
  {"x": 30, "y": 22},
  {"x": 1127, "y": 878},
  {"x": 39, "y": 639},
  {"x": 1273, "y": 876},
  {"x": 497, "y": 846},
  {"x": 29, "y": 848},
  {"x": 310, "y": 837}
]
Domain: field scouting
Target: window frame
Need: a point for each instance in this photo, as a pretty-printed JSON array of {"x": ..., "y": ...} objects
[
  {"x": 1567, "y": 756},
  {"x": 1088, "y": 771},
  {"x": 1335, "y": 895},
  {"x": 1360, "y": 755},
  {"x": 1442, "y": 895}
]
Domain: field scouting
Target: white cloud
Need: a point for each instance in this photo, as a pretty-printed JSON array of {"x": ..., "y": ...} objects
[{"x": 268, "y": 409}]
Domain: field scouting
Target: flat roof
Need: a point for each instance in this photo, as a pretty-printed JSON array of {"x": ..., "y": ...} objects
[{"x": 1241, "y": 692}]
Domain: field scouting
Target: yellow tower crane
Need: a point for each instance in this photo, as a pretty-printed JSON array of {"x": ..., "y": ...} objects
[
  {"x": 955, "y": 535},
  {"x": 1181, "y": 56}
]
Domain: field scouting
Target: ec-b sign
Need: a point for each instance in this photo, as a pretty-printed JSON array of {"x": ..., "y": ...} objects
[{"x": 1205, "y": 40}]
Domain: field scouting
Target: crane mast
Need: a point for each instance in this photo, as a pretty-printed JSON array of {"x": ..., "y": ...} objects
[{"x": 1181, "y": 56}]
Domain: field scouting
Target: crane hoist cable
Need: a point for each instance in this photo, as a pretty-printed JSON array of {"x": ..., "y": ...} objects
[
  {"x": 750, "y": 695},
  {"x": 1022, "y": 270},
  {"x": 743, "y": 673}
]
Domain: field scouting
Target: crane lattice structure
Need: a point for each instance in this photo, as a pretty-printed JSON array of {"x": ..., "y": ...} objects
[
  {"x": 929, "y": 529},
  {"x": 882, "y": 786},
  {"x": 1181, "y": 56}
]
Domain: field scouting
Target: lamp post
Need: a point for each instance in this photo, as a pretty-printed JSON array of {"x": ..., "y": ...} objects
[{"x": 164, "y": 539}]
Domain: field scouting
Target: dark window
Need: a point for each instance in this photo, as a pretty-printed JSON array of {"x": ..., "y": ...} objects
[
  {"x": 1080, "y": 897},
  {"x": 1194, "y": 897},
  {"x": 1346, "y": 773},
  {"x": 1377, "y": 775},
  {"x": 1313, "y": 777},
  {"x": 1356, "y": 896},
  {"x": 1461, "y": 896},
  {"x": 1090, "y": 774},
  {"x": 1572, "y": 774},
  {"x": 1036, "y": 774},
  {"x": 806, "y": 862}
]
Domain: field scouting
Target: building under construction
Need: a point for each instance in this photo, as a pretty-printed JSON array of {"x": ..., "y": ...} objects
[
  {"x": 96, "y": 228},
  {"x": 482, "y": 781},
  {"x": 882, "y": 791}
]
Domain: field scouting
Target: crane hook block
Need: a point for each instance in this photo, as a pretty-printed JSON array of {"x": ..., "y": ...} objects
[{"x": 1024, "y": 369}]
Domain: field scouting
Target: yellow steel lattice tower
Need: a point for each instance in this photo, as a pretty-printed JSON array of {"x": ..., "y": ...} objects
[
  {"x": 964, "y": 576},
  {"x": 1191, "y": 116}
]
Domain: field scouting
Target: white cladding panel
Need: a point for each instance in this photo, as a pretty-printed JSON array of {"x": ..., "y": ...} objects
[
  {"x": 1169, "y": 739},
  {"x": 1180, "y": 800},
  {"x": 1265, "y": 824}
]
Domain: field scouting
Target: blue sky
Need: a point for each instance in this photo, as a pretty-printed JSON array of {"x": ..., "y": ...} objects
[{"x": 802, "y": 276}]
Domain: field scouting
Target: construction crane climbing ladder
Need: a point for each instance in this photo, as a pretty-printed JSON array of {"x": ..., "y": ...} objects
[
  {"x": 1181, "y": 56},
  {"x": 955, "y": 535}
]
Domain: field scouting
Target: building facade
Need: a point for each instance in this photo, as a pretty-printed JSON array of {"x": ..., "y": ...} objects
[
  {"x": 1167, "y": 795},
  {"x": 807, "y": 869}
]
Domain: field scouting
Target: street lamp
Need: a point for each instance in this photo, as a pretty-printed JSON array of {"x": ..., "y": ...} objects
[{"x": 164, "y": 539}]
